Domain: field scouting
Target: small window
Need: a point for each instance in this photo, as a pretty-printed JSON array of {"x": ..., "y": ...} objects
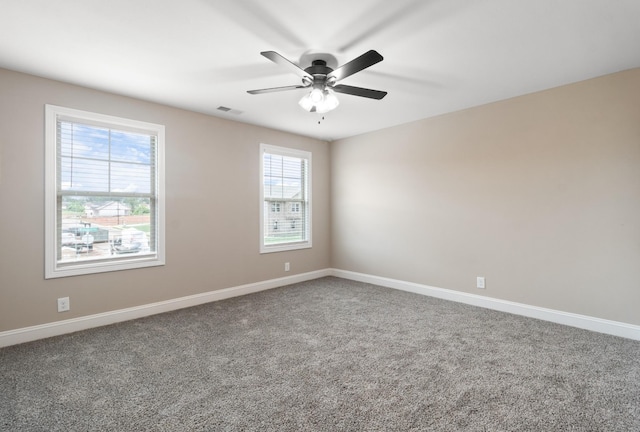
[
  {"x": 286, "y": 186},
  {"x": 104, "y": 193}
]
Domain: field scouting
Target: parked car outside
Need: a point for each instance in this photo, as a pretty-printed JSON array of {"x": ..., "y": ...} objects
[
  {"x": 69, "y": 239},
  {"x": 131, "y": 240}
]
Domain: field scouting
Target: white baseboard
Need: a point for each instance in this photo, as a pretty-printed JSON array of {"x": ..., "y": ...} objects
[
  {"x": 27, "y": 334},
  {"x": 614, "y": 328}
]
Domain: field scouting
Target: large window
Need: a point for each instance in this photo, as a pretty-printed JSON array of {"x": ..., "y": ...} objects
[
  {"x": 104, "y": 193},
  {"x": 285, "y": 196}
]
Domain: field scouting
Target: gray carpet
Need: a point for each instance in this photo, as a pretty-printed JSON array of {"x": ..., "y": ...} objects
[{"x": 324, "y": 355}]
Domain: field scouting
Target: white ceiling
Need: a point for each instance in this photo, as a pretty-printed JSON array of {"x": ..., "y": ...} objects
[{"x": 439, "y": 55}]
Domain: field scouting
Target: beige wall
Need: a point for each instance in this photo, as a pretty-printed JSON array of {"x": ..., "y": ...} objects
[
  {"x": 212, "y": 194},
  {"x": 540, "y": 194}
]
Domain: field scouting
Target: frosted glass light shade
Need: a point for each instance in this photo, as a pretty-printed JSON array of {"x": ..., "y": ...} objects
[
  {"x": 320, "y": 101},
  {"x": 316, "y": 95},
  {"x": 306, "y": 103},
  {"x": 329, "y": 102}
]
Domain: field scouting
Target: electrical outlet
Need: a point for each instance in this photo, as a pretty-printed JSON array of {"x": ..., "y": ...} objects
[
  {"x": 480, "y": 282},
  {"x": 287, "y": 267},
  {"x": 63, "y": 304}
]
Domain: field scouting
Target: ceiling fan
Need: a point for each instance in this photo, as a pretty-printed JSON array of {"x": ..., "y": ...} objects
[{"x": 322, "y": 79}]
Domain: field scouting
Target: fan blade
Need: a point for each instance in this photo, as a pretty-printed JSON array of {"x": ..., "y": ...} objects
[
  {"x": 359, "y": 91},
  {"x": 356, "y": 65},
  {"x": 275, "y": 89},
  {"x": 279, "y": 60}
]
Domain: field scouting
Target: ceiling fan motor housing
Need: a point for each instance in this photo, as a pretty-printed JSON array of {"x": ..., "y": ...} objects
[
  {"x": 318, "y": 67},
  {"x": 319, "y": 70}
]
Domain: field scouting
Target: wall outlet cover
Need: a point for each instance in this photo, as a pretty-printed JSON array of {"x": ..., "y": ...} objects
[{"x": 63, "y": 304}]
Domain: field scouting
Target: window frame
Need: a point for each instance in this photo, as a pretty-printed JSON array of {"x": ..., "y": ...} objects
[
  {"x": 281, "y": 247},
  {"x": 53, "y": 267}
]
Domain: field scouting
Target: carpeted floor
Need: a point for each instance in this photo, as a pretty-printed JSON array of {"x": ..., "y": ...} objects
[{"x": 324, "y": 355}]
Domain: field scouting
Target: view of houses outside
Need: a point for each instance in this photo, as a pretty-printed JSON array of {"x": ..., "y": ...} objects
[
  {"x": 285, "y": 206},
  {"x": 285, "y": 219},
  {"x": 97, "y": 227}
]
